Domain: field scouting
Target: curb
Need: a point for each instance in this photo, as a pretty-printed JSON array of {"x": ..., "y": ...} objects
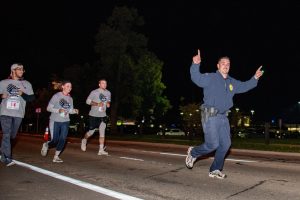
[{"x": 178, "y": 147}]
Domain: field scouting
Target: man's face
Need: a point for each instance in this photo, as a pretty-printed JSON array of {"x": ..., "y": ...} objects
[
  {"x": 224, "y": 65},
  {"x": 18, "y": 72},
  {"x": 103, "y": 84}
]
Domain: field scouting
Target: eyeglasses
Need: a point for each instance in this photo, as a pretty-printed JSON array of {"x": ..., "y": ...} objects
[{"x": 20, "y": 69}]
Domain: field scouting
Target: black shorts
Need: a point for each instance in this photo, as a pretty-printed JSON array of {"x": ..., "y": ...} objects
[{"x": 94, "y": 122}]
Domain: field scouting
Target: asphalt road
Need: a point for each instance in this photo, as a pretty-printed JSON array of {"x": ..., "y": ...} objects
[{"x": 136, "y": 170}]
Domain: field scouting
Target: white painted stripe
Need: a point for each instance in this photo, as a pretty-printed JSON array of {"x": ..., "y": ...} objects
[
  {"x": 83, "y": 184},
  {"x": 238, "y": 160},
  {"x": 172, "y": 154},
  {"x": 184, "y": 155},
  {"x": 150, "y": 151},
  {"x": 128, "y": 158}
]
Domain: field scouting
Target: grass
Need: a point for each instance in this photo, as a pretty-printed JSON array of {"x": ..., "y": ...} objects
[
  {"x": 284, "y": 145},
  {"x": 278, "y": 145}
]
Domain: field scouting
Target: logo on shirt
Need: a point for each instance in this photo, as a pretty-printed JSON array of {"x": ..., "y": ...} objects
[
  {"x": 230, "y": 87},
  {"x": 13, "y": 90},
  {"x": 102, "y": 98},
  {"x": 64, "y": 104}
]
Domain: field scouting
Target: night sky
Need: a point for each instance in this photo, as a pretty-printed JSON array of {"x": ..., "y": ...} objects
[{"x": 46, "y": 37}]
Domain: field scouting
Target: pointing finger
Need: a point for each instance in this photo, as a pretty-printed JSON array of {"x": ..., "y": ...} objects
[{"x": 198, "y": 52}]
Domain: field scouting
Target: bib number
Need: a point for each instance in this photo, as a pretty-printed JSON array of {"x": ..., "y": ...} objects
[
  {"x": 13, "y": 104},
  {"x": 102, "y": 108}
]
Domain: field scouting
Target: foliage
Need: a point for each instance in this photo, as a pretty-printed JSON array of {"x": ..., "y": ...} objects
[{"x": 133, "y": 73}]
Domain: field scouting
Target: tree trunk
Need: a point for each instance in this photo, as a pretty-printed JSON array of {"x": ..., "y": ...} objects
[{"x": 115, "y": 106}]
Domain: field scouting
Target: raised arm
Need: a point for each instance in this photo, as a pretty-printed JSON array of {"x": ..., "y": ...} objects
[
  {"x": 242, "y": 87},
  {"x": 202, "y": 80}
]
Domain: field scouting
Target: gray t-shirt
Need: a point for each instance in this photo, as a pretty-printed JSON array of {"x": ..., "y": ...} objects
[
  {"x": 14, "y": 105},
  {"x": 98, "y": 95},
  {"x": 60, "y": 101}
]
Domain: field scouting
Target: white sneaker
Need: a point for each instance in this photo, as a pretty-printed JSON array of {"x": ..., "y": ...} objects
[
  {"x": 189, "y": 160},
  {"x": 44, "y": 150},
  {"x": 217, "y": 174},
  {"x": 102, "y": 152},
  {"x": 56, "y": 159},
  {"x": 83, "y": 144}
]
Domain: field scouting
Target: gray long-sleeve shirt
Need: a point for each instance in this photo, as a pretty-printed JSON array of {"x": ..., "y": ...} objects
[
  {"x": 219, "y": 92},
  {"x": 14, "y": 105},
  {"x": 98, "y": 95},
  {"x": 60, "y": 101}
]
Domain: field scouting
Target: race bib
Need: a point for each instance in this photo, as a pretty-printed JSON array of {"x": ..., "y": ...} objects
[
  {"x": 102, "y": 108},
  {"x": 13, "y": 104}
]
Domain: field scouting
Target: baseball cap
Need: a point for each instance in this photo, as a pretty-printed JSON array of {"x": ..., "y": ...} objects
[{"x": 16, "y": 66}]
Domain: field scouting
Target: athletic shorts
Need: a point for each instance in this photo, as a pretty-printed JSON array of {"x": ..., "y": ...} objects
[{"x": 94, "y": 122}]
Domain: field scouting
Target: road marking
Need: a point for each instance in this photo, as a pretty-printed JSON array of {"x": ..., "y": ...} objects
[
  {"x": 128, "y": 158},
  {"x": 83, "y": 184},
  {"x": 238, "y": 160},
  {"x": 172, "y": 154},
  {"x": 184, "y": 155}
]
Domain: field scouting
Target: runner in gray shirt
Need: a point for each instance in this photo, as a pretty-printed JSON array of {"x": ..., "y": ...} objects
[
  {"x": 60, "y": 106},
  {"x": 99, "y": 99},
  {"x": 15, "y": 92}
]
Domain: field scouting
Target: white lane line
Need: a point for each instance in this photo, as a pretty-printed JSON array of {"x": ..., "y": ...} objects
[
  {"x": 172, "y": 154},
  {"x": 128, "y": 158},
  {"x": 184, "y": 155},
  {"x": 83, "y": 184},
  {"x": 239, "y": 160}
]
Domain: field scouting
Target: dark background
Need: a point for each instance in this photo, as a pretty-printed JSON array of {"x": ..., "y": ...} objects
[{"x": 46, "y": 37}]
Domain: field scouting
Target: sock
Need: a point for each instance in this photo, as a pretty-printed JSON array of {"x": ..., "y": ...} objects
[
  {"x": 101, "y": 146},
  {"x": 57, "y": 153}
]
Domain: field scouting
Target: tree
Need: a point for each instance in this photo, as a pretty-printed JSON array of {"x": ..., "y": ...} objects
[
  {"x": 150, "y": 87},
  {"x": 129, "y": 67}
]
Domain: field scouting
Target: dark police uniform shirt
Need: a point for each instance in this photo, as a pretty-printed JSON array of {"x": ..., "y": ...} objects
[{"x": 218, "y": 92}]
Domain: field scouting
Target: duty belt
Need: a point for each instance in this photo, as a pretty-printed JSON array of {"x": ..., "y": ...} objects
[
  {"x": 207, "y": 112},
  {"x": 210, "y": 111}
]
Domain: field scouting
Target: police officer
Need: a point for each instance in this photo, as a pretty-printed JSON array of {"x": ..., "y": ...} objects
[{"x": 219, "y": 89}]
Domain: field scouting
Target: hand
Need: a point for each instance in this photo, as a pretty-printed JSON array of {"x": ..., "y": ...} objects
[
  {"x": 197, "y": 58},
  {"x": 93, "y": 103},
  {"x": 20, "y": 92},
  {"x": 61, "y": 110},
  {"x": 76, "y": 111},
  {"x": 258, "y": 73},
  {"x": 108, "y": 104},
  {"x": 4, "y": 96},
  {"x": 100, "y": 104}
]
